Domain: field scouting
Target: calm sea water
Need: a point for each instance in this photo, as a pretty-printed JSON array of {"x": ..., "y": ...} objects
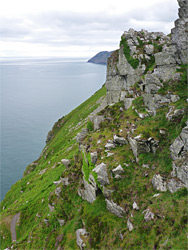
[{"x": 35, "y": 94}]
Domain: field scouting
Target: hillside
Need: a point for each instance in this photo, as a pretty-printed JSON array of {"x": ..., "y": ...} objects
[
  {"x": 113, "y": 173},
  {"x": 100, "y": 58}
]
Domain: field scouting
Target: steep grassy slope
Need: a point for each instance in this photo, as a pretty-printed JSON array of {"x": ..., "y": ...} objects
[{"x": 41, "y": 208}]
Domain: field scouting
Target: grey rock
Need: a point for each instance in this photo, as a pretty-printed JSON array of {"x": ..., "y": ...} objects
[
  {"x": 180, "y": 171},
  {"x": 97, "y": 120},
  {"x": 130, "y": 225},
  {"x": 149, "y": 49},
  {"x": 65, "y": 181},
  {"x": 66, "y": 162},
  {"x": 51, "y": 208},
  {"x": 180, "y": 145},
  {"x": 140, "y": 146},
  {"x": 118, "y": 170},
  {"x": 135, "y": 206},
  {"x": 107, "y": 192},
  {"x": 117, "y": 177},
  {"x": 159, "y": 183},
  {"x": 109, "y": 154},
  {"x": 128, "y": 102},
  {"x": 114, "y": 208},
  {"x": 120, "y": 140},
  {"x": 163, "y": 58},
  {"x": 80, "y": 233},
  {"x": 82, "y": 135},
  {"x": 58, "y": 191},
  {"x": 93, "y": 157},
  {"x": 102, "y": 175},
  {"x": 61, "y": 222},
  {"x": 43, "y": 171},
  {"x": 173, "y": 185},
  {"x": 89, "y": 191},
  {"x": 110, "y": 146},
  {"x": 148, "y": 215}
]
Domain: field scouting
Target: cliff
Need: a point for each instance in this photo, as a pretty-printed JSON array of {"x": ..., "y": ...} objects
[
  {"x": 100, "y": 58},
  {"x": 114, "y": 172}
]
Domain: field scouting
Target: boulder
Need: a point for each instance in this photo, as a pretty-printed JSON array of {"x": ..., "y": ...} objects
[
  {"x": 135, "y": 206},
  {"x": 180, "y": 171},
  {"x": 140, "y": 146},
  {"x": 149, "y": 49},
  {"x": 58, "y": 191},
  {"x": 110, "y": 146},
  {"x": 128, "y": 102},
  {"x": 159, "y": 183},
  {"x": 80, "y": 234},
  {"x": 130, "y": 225},
  {"x": 107, "y": 192},
  {"x": 65, "y": 181},
  {"x": 173, "y": 185},
  {"x": 164, "y": 58},
  {"x": 65, "y": 162},
  {"x": 93, "y": 157},
  {"x": 180, "y": 145},
  {"x": 114, "y": 208},
  {"x": 51, "y": 208},
  {"x": 119, "y": 140},
  {"x": 102, "y": 175},
  {"x": 88, "y": 193},
  {"x": 61, "y": 222},
  {"x": 97, "y": 120},
  {"x": 118, "y": 170},
  {"x": 148, "y": 215},
  {"x": 82, "y": 135}
]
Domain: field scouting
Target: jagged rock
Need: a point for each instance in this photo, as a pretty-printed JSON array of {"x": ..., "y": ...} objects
[
  {"x": 118, "y": 170},
  {"x": 114, "y": 208},
  {"x": 107, "y": 192},
  {"x": 135, "y": 206},
  {"x": 51, "y": 208},
  {"x": 109, "y": 154},
  {"x": 43, "y": 171},
  {"x": 93, "y": 157},
  {"x": 180, "y": 146},
  {"x": 173, "y": 185},
  {"x": 110, "y": 146},
  {"x": 80, "y": 234},
  {"x": 120, "y": 140},
  {"x": 151, "y": 84},
  {"x": 66, "y": 162},
  {"x": 159, "y": 183},
  {"x": 174, "y": 114},
  {"x": 179, "y": 33},
  {"x": 102, "y": 175},
  {"x": 140, "y": 146},
  {"x": 163, "y": 58},
  {"x": 149, "y": 49},
  {"x": 130, "y": 225},
  {"x": 117, "y": 177},
  {"x": 141, "y": 115},
  {"x": 61, "y": 222},
  {"x": 58, "y": 191},
  {"x": 89, "y": 191},
  {"x": 148, "y": 215},
  {"x": 82, "y": 135},
  {"x": 128, "y": 102},
  {"x": 65, "y": 181},
  {"x": 97, "y": 120},
  {"x": 180, "y": 170}
]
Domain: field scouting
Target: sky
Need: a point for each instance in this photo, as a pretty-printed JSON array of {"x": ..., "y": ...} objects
[{"x": 77, "y": 28}]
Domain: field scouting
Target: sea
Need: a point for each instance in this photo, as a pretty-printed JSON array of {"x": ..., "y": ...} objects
[{"x": 35, "y": 93}]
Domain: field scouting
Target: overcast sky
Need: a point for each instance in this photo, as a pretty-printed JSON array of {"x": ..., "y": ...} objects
[{"x": 77, "y": 28}]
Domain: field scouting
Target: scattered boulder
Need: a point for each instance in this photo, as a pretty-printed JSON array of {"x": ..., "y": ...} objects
[
  {"x": 93, "y": 157},
  {"x": 110, "y": 146},
  {"x": 119, "y": 140},
  {"x": 159, "y": 183},
  {"x": 148, "y": 215},
  {"x": 88, "y": 193},
  {"x": 117, "y": 177},
  {"x": 80, "y": 235},
  {"x": 149, "y": 49},
  {"x": 58, "y": 191},
  {"x": 102, "y": 175},
  {"x": 61, "y": 222},
  {"x": 128, "y": 102},
  {"x": 66, "y": 162},
  {"x": 180, "y": 145},
  {"x": 140, "y": 146},
  {"x": 173, "y": 185},
  {"x": 130, "y": 225},
  {"x": 51, "y": 208},
  {"x": 82, "y": 135},
  {"x": 97, "y": 120},
  {"x": 43, "y": 171},
  {"x": 180, "y": 171},
  {"x": 114, "y": 208},
  {"x": 135, "y": 206},
  {"x": 173, "y": 115},
  {"x": 65, "y": 181},
  {"x": 119, "y": 170}
]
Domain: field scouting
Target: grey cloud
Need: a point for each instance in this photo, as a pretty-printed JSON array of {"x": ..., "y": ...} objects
[{"x": 97, "y": 29}]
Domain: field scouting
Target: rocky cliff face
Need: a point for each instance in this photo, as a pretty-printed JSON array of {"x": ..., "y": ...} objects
[{"x": 114, "y": 172}]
